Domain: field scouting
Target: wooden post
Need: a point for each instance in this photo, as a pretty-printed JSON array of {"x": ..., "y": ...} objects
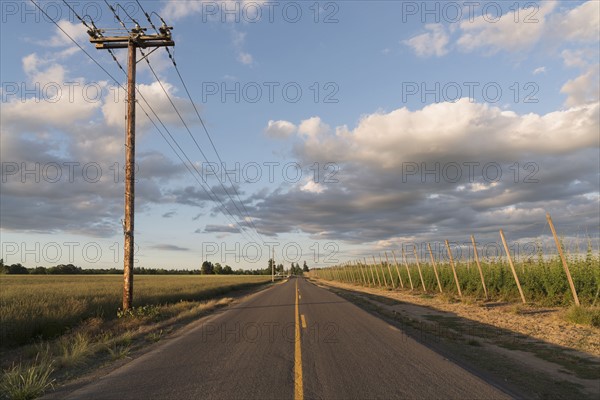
[
  {"x": 383, "y": 271},
  {"x": 357, "y": 279},
  {"x": 362, "y": 274},
  {"x": 564, "y": 261},
  {"x": 512, "y": 267},
  {"x": 453, "y": 269},
  {"x": 479, "y": 266},
  {"x": 407, "y": 270},
  {"x": 398, "y": 270},
  {"x": 387, "y": 261},
  {"x": 364, "y": 267},
  {"x": 366, "y": 273},
  {"x": 435, "y": 268},
  {"x": 371, "y": 269},
  {"x": 419, "y": 267},
  {"x": 389, "y": 269},
  {"x": 375, "y": 264}
]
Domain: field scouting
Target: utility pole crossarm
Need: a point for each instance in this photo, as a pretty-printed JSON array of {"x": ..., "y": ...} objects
[
  {"x": 136, "y": 39},
  {"x": 163, "y": 39}
]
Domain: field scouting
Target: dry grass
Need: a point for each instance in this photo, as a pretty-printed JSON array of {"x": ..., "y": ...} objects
[
  {"x": 88, "y": 331},
  {"x": 47, "y": 306}
]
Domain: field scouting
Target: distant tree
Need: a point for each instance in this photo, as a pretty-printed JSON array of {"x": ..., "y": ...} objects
[
  {"x": 227, "y": 270},
  {"x": 218, "y": 269},
  {"x": 305, "y": 267},
  {"x": 269, "y": 269},
  {"x": 207, "y": 268},
  {"x": 16, "y": 269},
  {"x": 38, "y": 271},
  {"x": 62, "y": 269}
]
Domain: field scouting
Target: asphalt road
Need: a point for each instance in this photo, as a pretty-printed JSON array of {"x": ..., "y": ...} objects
[{"x": 293, "y": 340}]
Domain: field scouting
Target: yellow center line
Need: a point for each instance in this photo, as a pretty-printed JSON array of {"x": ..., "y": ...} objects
[
  {"x": 303, "y": 321},
  {"x": 298, "y": 384}
]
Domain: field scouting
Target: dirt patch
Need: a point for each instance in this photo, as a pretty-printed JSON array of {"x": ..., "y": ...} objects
[{"x": 542, "y": 323}]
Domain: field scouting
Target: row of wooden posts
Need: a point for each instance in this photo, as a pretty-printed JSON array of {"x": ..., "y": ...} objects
[{"x": 370, "y": 276}]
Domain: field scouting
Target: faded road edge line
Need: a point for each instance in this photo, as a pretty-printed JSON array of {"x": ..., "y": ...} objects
[{"x": 298, "y": 383}]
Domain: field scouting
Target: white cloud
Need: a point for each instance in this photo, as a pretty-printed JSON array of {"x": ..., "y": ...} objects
[
  {"x": 238, "y": 40},
  {"x": 452, "y": 130},
  {"x": 371, "y": 202},
  {"x": 579, "y": 58},
  {"x": 280, "y": 129},
  {"x": 245, "y": 58},
  {"x": 211, "y": 10},
  {"x": 113, "y": 109},
  {"x": 313, "y": 187},
  {"x": 504, "y": 34},
  {"x": 177, "y": 9},
  {"x": 539, "y": 70},
  {"x": 313, "y": 127},
  {"x": 74, "y": 29},
  {"x": 581, "y": 23},
  {"x": 432, "y": 43},
  {"x": 583, "y": 89}
]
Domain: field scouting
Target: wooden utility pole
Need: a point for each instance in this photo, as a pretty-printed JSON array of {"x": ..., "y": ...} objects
[{"x": 136, "y": 38}]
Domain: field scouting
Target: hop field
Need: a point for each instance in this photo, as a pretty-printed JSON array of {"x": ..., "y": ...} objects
[{"x": 543, "y": 281}]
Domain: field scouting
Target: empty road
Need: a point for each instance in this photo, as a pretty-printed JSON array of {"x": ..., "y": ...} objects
[{"x": 292, "y": 340}]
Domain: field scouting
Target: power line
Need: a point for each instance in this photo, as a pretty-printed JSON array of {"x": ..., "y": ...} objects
[
  {"x": 147, "y": 115},
  {"x": 168, "y": 132},
  {"x": 179, "y": 115},
  {"x": 199, "y": 117}
]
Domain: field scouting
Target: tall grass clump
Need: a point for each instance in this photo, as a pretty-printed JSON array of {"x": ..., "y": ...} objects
[{"x": 25, "y": 382}]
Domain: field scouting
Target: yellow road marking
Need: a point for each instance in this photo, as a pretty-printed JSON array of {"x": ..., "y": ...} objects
[
  {"x": 298, "y": 384},
  {"x": 303, "y": 321}
]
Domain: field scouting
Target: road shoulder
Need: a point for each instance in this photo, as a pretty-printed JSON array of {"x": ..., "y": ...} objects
[{"x": 521, "y": 364}]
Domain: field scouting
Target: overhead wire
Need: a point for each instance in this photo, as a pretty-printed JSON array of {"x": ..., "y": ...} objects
[
  {"x": 145, "y": 112},
  {"x": 148, "y": 17},
  {"x": 178, "y": 113}
]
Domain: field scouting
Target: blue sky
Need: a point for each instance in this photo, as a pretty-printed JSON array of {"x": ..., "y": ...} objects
[{"x": 367, "y": 63}]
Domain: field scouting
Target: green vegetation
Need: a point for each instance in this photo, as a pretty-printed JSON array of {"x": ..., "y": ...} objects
[
  {"x": 583, "y": 316},
  {"x": 543, "y": 280},
  {"x": 46, "y": 306},
  {"x": 24, "y": 382}
]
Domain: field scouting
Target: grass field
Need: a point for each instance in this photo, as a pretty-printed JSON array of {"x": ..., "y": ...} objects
[{"x": 46, "y": 306}]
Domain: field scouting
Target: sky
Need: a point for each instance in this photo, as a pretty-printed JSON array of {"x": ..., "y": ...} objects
[{"x": 346, "y": 129}]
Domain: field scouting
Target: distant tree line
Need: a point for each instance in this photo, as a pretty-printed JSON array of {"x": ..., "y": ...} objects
[{"x": 207, "y": 268}]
